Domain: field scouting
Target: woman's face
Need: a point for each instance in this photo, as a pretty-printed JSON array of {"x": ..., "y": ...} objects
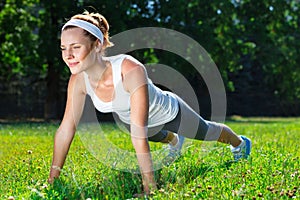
[{"x": 77, "y": 50}]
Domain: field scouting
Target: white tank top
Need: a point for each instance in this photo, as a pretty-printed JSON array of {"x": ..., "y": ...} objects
[{"x": 163, "y": 105}]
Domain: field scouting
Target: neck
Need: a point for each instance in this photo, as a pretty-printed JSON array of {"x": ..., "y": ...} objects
[{"x": 96, "y": 71}]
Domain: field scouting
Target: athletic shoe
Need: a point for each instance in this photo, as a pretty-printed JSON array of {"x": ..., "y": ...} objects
[
  {"x": 243, "y": 150},
  {"x": 174, "y": 150}
]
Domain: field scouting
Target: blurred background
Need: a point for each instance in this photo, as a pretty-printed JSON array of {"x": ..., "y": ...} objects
[{"x": 254, "y": 43}]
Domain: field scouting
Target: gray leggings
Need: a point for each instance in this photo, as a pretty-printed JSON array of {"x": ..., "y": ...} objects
[{"x": 187, "y": 123}]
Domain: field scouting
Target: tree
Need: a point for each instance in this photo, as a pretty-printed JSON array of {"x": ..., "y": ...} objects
[
  {"x": 272, "y": 27},
  {"x": 52, "y": 15},
  {"x": 19, "y": 39},
  {"x": 255, "y": 43}
]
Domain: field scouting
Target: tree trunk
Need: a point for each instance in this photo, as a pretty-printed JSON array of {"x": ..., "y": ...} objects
[
  {"x": 52, "y": 97},
  {"x": 53, "y": 76}
]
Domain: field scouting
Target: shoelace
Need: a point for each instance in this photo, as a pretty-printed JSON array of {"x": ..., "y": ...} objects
[{"x": 239, "y": 148}]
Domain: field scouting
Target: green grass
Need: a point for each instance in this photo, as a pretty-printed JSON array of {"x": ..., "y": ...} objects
[{"x": 205, "y": 170}]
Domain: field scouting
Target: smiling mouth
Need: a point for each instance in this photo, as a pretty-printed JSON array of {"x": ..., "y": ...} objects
[{"x": 73, "y": 64}]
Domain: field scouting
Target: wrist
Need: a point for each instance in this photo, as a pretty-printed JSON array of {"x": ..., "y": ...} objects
[
  {"x": 57, "y": 168},
  {"x": 54, "y": 173}
]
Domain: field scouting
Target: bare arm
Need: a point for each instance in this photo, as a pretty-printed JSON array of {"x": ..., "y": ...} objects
[
  {"x": 65, "y": 133},
  {"x": 135, "y": 81}
]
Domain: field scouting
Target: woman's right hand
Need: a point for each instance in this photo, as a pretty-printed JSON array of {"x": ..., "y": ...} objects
[
  {"x": 65, "y": 133},
  {"x": 54, "y": 173},
  {"x": 50, "y": 180}
]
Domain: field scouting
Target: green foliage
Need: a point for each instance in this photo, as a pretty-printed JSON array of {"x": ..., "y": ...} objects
[
  {"x": 52, "y": 15},
  {"x": 272, "y": 26},
  {"x": 19, "y": 38},
  {"x": 205, "y": 171},
  {"x": 258, "y": 40},
  {"x": 255, "y": 37}
]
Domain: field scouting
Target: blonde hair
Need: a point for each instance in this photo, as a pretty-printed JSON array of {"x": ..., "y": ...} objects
[{"x": 99, "y": 21}]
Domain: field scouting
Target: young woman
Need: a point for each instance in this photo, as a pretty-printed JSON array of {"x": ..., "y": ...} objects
[{"x": 120, "y": 84}]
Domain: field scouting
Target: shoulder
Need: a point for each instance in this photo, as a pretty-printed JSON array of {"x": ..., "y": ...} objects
[
  {"x": 125, "y": 60},
  {"x": 127, "y": 63},
  {"x": 130, "y": 63},
  {"x": 77, "y": 84},
  {"x": 134, "y": 74}
]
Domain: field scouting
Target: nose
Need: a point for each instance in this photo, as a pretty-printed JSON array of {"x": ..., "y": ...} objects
[{"x": 68, "y": 54}]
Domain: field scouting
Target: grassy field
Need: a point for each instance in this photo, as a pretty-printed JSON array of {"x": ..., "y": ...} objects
[{"x": 205, "y": 171}]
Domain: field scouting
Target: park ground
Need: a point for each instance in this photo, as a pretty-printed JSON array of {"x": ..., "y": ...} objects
[{"x": 204, "y": 171}]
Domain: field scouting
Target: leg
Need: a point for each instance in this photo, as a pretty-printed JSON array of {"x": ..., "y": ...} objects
[
  {"x": 190, "y": 124},
  {"x": 170, "y": 138},
  {"x": 156, "y": 134},
  {"x": 173, "y": 140},
  {"x": 240, "y": 145},
  {"x": 222, "y": 133},
  {"x": 229, "y": 137}
]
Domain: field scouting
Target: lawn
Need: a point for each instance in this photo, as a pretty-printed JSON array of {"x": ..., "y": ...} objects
[{"x": 104, "y": 167}]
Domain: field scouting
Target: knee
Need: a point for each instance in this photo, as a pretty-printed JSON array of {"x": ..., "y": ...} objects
[{"x": 214, "y": 131}]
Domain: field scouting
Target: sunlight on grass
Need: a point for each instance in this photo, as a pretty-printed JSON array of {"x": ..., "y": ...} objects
[{"x": 205, "y": 171}]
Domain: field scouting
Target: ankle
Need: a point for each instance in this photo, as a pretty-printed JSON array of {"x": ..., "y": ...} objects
[
  {"x": 240, "y": 145},
  {"x": 237, "y": 142},
  {"x": 174, "y": 141},
  {"x": 171, "y": 139}
]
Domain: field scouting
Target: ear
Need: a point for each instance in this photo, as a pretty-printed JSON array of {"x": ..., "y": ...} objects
[{"x": 98, "y": 46}]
